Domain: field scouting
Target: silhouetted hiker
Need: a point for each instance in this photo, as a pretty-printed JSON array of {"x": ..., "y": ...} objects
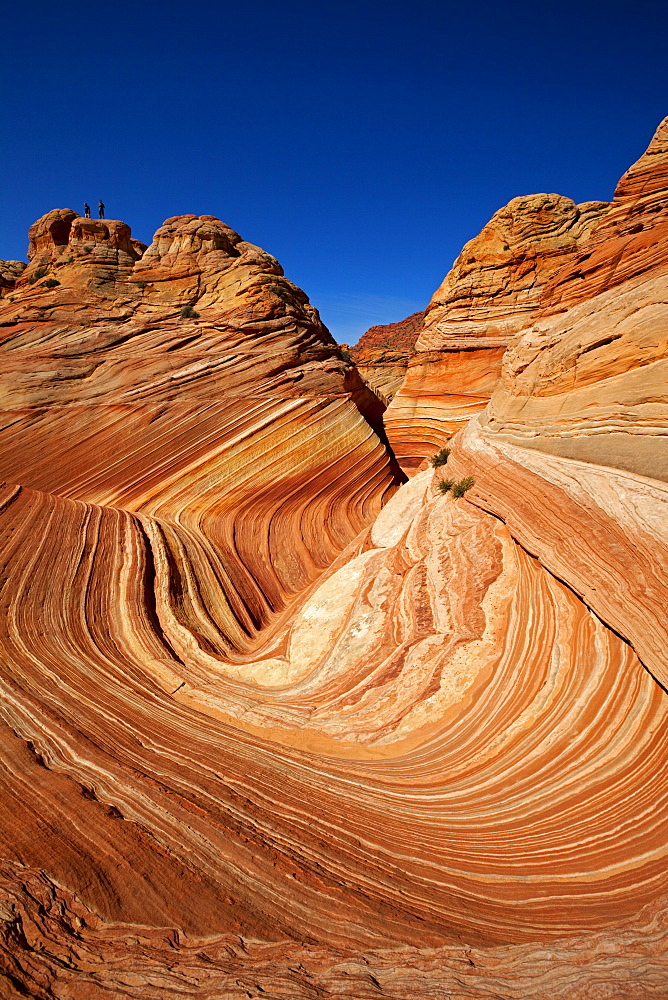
[
  {"x": 86, "y": 210},
  {"x": 100, "y": 209}
]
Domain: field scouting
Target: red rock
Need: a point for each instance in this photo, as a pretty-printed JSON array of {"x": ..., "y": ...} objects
[{"x": 399, "y": 336}]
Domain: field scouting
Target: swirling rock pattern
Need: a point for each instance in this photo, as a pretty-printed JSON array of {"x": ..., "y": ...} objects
[
  {"x": 582, "y": 412},
  {"x": 604, "y": 532},
  {"x": 275, "y": 727},
  {"x": 415, "y": 760}
]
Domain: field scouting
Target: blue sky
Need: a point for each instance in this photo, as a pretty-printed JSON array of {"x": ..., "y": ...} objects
[{"x": 362, "y": 144}]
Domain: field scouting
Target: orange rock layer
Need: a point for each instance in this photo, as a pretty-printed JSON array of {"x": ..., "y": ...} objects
[
  {"x": 493, "y": 291},
  {"x": 275, "y": 727},
  {"x": 572, "y": 450}
]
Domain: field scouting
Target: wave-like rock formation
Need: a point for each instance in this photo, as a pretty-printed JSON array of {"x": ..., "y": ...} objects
[
  {"x": 381, "y": 354},
  {"x": 275, "y": 725},
  {"x": 577, "y": 430},
  {"x": 494, "y": 290}
]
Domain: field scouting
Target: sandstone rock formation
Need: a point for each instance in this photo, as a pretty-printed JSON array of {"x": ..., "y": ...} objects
[
  {"x": 577, "y": 430},
  {"x": 273, "y": 727},
  {"x": 381, "y": 354},
  {"x": 10, "y": 270},
  {"x": 493, "y": 291}
]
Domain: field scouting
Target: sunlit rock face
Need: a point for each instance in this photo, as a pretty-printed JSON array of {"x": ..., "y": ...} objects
[
  {"x": 493, "y": 291},
  {"x": 590, "y": 379},
  {"x": 577, "y": 430},
  {"x": 276, "y": 725}
]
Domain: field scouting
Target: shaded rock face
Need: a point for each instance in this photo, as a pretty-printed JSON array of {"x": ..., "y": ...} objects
[
  {"x": 272, "y": 725},
  {"x": 494, "y": 290},
  {"x": 381, "y": 354},
  {"x": 10, "y": 270}
]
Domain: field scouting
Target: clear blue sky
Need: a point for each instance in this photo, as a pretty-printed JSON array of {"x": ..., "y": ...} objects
[{"x": 360, "y": 143}]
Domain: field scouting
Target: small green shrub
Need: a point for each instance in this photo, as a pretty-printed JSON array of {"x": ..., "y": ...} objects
[
  {"x": 39, "y": 273},
  {"x": 281, "y": 291},
  {"x": 189, "y": 313},
  {"x": 440, "y": 458},
  {"x": 460, "y": 488},
  {"x": 141, "y": 285},
  {"x": 50, "y": 283},
  {"x": 344, "y": 354},
  {"x": 87, "y": 248},
  {"x": 445, "y": 485}
]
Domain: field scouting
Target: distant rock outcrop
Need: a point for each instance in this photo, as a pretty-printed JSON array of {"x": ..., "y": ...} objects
[
  {"x": 382, "y": 353},
  {"x": 399, "y": 336}
]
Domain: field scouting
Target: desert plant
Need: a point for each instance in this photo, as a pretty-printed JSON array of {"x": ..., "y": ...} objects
[
  {"x": 445, "y": 485},
  {"x": 281, "y": 291},
  {"x": 344, "y": 354},
  {"x": 50, "y": 283},
  {"x": 440, "y": 458},
  {"x": 460, "y": 488},
  {"x": 189, "y": 313},
  {"x": 39, "y": 273}
]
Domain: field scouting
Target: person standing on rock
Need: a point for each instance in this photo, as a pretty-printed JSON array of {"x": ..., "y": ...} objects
[
  {"x": 86, "y": 210},
  {"x": 100, "y": 208}
]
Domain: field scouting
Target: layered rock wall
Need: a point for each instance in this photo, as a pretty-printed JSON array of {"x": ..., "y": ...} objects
[
  {"x": 493, "y": 291},
  {"x": 142, "y": 402},
  {"x": 572, "y": 450},
  {"x": 588, "y": 381}
]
